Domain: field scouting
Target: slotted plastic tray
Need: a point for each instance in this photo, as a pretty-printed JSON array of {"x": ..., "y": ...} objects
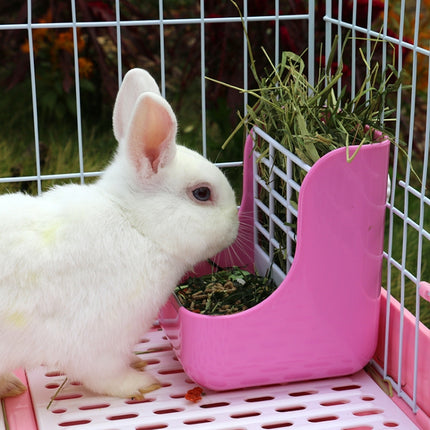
[{"x": 348, "y": 403}]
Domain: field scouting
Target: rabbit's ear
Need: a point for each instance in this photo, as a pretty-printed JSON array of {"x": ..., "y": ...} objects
[
  {"x": 136, "y": 82},
  {"x": 150, "y": 141}
]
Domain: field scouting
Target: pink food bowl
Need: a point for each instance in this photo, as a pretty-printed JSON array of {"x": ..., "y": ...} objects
[{"x": 322, "y": 321}]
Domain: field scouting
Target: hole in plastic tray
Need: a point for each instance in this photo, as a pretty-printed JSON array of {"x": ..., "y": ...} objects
[
  {"x": 259, "y": 399},
  {"x": 51, "y": 386},
  {"x": 152, "y": 361},
  {"x": 335, "y": 402},
  {"x": 54, "y": 374},
  {"x": 171, "y": 371},
  {"x": 346, "y": 387},
  {"x": 177, "y": 396},
  {"x": 59, "y": 411},
  {"x": 323, "y": 419},
  {"x": 303, "y": 393},
  {"x": 68, "y": 396},
  {"x": 358, "y": 428},
  {"x": 390, "y": 424},
  {"x": 367, "y": 398},
  {"x": 277, "y": 425},
  {"x": 156, "y": 349},
  {"x": 168, "y": 411},
  {"x": 122, "y": 417},
  {"x": 74, "y": 423},
  {"x": 291, "y": 408},
  {"x": 95, "y": 406},
  {"x": 214, "y": 405},
  {"x": 152, "y": 427},
  {"x": 245, "y": 415},
  {"x": 368, "y": 412},
  {"x": 198, "y": 421}
]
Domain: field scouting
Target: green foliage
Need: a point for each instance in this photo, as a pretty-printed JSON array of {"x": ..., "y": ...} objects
[
  {"x": 411, "y": 253},
  {"x": 59, "y": 153},
  {"x": 311, "y": 121}
]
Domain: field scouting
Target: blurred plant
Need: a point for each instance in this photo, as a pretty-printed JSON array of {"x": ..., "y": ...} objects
[
  {"x": 54, "y": 56},
  {"x": 401, "y": 17},
  {"x": 395, "y": 14},
  {"x": 140, "y": 47}
]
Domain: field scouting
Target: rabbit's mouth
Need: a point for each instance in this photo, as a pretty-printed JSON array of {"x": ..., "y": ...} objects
[{"x": 229, "y": 237}]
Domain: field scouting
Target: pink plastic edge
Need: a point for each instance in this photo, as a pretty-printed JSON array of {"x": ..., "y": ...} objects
[
  {"x": 425, "y": 291},
  {"x": 422, "y": 418},
  {"x": 19, "y": 410}
]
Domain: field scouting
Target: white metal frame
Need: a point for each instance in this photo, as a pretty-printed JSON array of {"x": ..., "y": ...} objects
[{"x": 119, "y": 24}]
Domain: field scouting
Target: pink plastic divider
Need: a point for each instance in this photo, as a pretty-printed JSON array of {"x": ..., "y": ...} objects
[
  {"x": 408, "y": 354},
  {"x": 425, "y": 291},
  {"x": 420, "y": 419},
  {"x": 19, "y": 410},
  {"x": 322, "y": 321}
]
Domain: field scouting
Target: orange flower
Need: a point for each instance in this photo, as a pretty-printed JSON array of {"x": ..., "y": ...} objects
[
  {"x": 25, "y": 47},
  {"x": 85, "y": 67},
  {"x": 39, "y": 35},
  {"x": 65, "y": 41},
  {"x": 195, "y": 394}
]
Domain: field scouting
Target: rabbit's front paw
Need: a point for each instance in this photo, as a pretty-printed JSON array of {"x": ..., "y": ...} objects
[
  {"x": 137, "y": 383},
  {"x": 145, "y": 390},
  {"x": 10, "y": 386},
  {"x": 128, "y": 384}
]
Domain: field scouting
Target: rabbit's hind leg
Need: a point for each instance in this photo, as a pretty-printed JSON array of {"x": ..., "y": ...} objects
[
  {"x": 137, "y": 363},
  {"x": 10, "y": 385}
]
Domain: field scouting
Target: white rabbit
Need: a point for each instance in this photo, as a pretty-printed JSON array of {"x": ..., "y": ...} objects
[{"x": 84, "y": 269}]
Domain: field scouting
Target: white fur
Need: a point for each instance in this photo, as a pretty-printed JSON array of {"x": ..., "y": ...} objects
[{"x": 84, "y": 270}]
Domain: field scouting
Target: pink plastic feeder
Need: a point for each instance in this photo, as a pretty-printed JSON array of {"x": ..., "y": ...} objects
[{"x": 322, "y": 321}]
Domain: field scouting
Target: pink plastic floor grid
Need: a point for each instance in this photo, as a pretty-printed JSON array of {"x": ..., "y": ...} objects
[
  {"x": 353, "y": 403},
  {"x": 2, "y": 423}
]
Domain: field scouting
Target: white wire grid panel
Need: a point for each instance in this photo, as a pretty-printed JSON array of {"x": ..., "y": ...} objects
[
  {"x": 348, "y": 403},
  {"x": 274, "y": 226},
  {"x": 413, "y": 55}
]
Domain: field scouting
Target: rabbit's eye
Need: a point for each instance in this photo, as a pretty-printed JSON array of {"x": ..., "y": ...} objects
[{"x": 202, "y": 194}]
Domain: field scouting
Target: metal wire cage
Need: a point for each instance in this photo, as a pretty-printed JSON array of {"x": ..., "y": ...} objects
[{"x": 205, "y": 30}]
